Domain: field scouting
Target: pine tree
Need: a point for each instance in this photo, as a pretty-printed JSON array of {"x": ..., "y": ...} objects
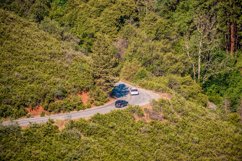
[
  {"x": 229, "y": 19},
  {"x": 104, "y": 63}
]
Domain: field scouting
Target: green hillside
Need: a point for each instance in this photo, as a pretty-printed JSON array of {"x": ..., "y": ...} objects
[
  {"x": 137, "y": 40},
  {"x": 188, "y": 132},
  {"x": 53, "y": 51},
  {"x": 36, "y": 68}
]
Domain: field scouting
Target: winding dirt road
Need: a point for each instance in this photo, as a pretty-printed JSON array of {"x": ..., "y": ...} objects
[{"x": 144, "y": 98}]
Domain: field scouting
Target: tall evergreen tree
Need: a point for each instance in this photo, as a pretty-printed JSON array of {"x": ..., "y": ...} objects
[
  {"x": 104, "y": 63},
  {"x": 229, "y": 18}
]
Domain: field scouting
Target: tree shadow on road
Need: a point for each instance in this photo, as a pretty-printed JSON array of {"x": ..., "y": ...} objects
[{"x": 119, "y": 91}]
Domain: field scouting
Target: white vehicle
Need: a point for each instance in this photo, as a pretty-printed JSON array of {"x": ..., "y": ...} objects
[{"x": 134, "y": 91}]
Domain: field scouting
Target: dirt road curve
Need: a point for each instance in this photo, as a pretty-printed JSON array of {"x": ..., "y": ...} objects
[{"x": 144, "y": 97}]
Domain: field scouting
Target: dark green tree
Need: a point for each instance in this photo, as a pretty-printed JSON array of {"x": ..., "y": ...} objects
[
  {"x": 40, "y": 9},
  {"x": 104, "y": 63},
  {"x": 230, "y": 23}
]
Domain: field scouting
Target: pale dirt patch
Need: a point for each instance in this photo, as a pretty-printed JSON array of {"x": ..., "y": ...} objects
[
  {"x": 61, "y": 124},
  {"x": 137, "y": 118},
  {"x": 146, "y": 114},
  {"x": 211, "y": 105},
  {"x": 85, "y": 97},
  {"x": 149, "y": 114},
  {"x": 24, "y": 127},
  {"x": 166, "y": 96}
]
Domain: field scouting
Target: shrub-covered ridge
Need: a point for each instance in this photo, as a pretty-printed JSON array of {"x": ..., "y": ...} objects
[
  {"x": 188, "y": 132},
  {"x": 35, "y": 67}
]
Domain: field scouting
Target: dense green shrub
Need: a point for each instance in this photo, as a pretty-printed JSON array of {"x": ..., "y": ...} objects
[
  {"x": 227, "y": 85},
  {"x": 42, "y": 68},
  {"x": 51, "y": 27},
  {"x": 189, "y": 132},
  {"x": 155, "y": 83},
  {"x": 69, "y": 103},
  {"x": 133, "y": 71},
  {"x": 99, "y": 97},
  {"x": 136, "y": 110},
  {"x": 129, "y": 70},
  {"x": 35, "y": 10},
  {"x": 187, "y": 88}
]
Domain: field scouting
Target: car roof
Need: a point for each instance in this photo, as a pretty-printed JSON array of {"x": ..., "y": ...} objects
[
  {"x": 133, "y": 88},
  {"x": 119, "y": 101}
]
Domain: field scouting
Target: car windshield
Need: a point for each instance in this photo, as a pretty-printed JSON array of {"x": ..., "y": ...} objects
[
  {"x": 134, "y": 90},
  {"x": 120, "y": 102}
]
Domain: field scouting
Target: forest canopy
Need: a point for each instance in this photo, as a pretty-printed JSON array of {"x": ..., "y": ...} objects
[
  {"x": 54, "y": 50},
  {"x": 201, "y": 39}
]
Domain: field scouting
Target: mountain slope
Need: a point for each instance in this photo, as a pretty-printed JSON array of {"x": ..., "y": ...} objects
[
  {"x": 186, "y": 132},
  {"x": 36, "y": 69}
]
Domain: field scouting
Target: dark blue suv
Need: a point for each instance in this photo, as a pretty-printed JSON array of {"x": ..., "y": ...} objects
[{"x": 121, "y": 103}]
